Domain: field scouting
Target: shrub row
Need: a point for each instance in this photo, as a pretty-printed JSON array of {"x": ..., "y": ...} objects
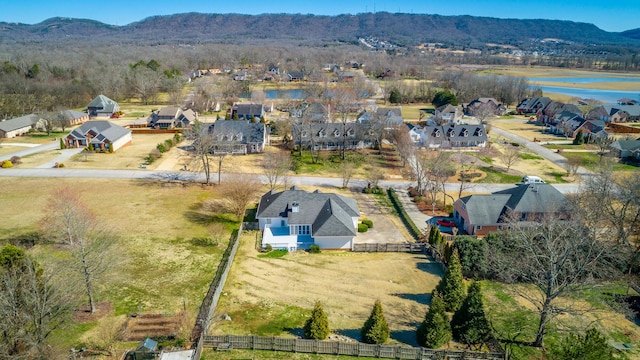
[{"x": 413, "y": 229}]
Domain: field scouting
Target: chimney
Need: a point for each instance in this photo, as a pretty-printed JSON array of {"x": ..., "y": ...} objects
[{"x": 295, "y": 207}]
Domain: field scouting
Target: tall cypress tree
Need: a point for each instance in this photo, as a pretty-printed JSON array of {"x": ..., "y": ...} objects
[
  {"x": 435, "y": 330},
  {"x": 469, "y": 323},
  {"x": 451, "y": 286},
  {"x": 317, "y": 326},
  {"x": 375, "y": 329}
]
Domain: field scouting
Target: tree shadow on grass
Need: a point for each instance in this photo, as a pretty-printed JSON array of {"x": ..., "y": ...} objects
[
  {"x": 431, "y": 267},
  {"x": 201, "y": 218},
  {"x": 422, "y": 299},
  {"x": 350, "y": 333},
  {"x": 407, "y": 337}
]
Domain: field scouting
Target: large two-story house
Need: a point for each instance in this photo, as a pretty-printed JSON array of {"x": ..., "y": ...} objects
[
  {"x": 239, "y": 136},
  {"x": 296, "y": 219}
]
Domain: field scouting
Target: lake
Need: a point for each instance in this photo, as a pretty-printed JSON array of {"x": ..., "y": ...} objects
[{"x": 607, "y": 96}]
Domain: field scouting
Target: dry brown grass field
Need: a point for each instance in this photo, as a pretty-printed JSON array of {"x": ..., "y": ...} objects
[
  {"x": 267, "y": 295},
  {"x": 160, "y": 267}
]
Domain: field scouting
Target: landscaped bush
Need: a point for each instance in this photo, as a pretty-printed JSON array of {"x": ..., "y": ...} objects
[
  {"x": 60, "y": 165},
  {"x": 368, "y": 222},
  {"x": 314, "y": 249},
  {"x": 168, "y": 143},
  {"x": 268, "y": 247},
  {"x": 161, "y": 148},
  {"x": 7, "y": 164},
  {"x": 362, "y": 228},
  {"x": 413, "y": 229},
  {"x": 373, "y": 190}
]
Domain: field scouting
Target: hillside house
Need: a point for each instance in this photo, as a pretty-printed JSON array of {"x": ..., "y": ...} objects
[
  {"x": 295, "y": 219},
  {"x": 480, "y": 214},
  {"x": 295, "y": 76},
  {"x": 171, "y": 118},
  {"x": 99, "y": 135},
  {"x": 239, "y": 137},
  {"x": 102, "y": 106}
]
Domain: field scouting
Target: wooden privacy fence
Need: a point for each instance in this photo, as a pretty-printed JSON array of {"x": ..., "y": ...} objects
[
  {"x": 342, "y": 348},
  {"x": 208, "y": 306},
  {"x": 391, "y": 247}
]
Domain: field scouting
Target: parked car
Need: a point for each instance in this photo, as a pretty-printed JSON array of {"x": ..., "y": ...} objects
[{"x": 445, "y": 223}]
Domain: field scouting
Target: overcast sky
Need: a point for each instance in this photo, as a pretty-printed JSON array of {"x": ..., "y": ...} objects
[{"x": 613, "y": 15}]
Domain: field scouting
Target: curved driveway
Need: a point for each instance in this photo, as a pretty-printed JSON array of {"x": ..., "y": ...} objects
[{"x": 538, "y": 149}]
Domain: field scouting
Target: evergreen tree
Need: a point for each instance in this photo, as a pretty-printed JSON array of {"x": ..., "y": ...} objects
[
  {"x": 469, "y": 323},
  {"x": 579, "y": 139},
  {"x": 451, "y": 286},
  {"x": 432, "y": 234},
  {"x": 375, "y": 329},
  {"x": 394, "y": 96},
  {"x": 435, "y": 330},
  {"x": 591, "y": 346},
  {"x": 317, "y": 326}
]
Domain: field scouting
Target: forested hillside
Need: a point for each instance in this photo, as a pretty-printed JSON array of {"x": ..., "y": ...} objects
[{"x": 196, "y": 28}]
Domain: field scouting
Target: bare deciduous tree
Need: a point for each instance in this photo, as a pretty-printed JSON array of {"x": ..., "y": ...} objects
[
  {"x": 510, "y": 155},
  {"x": 558, "y": 258},
  {"x": 201, "y": 148},
  {"x": 374, "y": 175},
  {"x": 440, "y": 168},
  {"x": 239, "y": 191},
  {"x": 346, "y": 169},
  {"x": 33, "y": 303},
  {"x": 89, "y": 242},
  {"x": 276, "y": 168},
  {"x": 573, "y": 164}
]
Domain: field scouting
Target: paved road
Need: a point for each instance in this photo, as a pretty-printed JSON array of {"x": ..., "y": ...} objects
[
  {"x": 538, "y": 149},
  {"x": 197, "y": 176},
  {"x": 54, "y": 145}
]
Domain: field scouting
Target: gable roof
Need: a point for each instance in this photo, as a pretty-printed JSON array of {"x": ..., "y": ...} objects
[
  {"x": 102, "y": 128},
  {"x": 169, "y": 111},
  {"x": 484, "y": 209},
  {"x": 626, "y": 145},
  {"x": 104, "y": 103},
  {"x": 251, "y": 132},
  {"x": 19, "y": 122},
  {"x": 243, "y": 109},
  {"x": 329, "y": 214},
  {"x": 455, "y": 133},
  {"x": 73, "y": 115}
]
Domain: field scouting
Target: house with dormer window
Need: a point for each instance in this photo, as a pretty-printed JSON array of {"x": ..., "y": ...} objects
[
  {"x": 239, "y": 137},
  {"x": 453, "y": 136},
  {"x": 296, "y": 219},
  {"x": 332, "y": 136}
]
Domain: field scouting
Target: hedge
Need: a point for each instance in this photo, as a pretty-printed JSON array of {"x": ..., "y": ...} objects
[
  {"x": 362, "y": 228},
  {"x": 413, "y": 229}
]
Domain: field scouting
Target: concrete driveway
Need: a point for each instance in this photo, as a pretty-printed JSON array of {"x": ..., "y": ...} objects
[
  {"x": 384, "y": 229},
  {"x": 64, "y": 156}
]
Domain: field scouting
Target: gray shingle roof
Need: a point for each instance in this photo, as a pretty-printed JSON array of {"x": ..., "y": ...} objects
[
  {"x": 104, "y": 103},
  {"x": 455, "y": 133},
  {"x": 329, "y": 214},
  {"x": 485, "y": 209},
  {"x": 251, "y": 132},
  {"x": 104, "y": 129},
  {"x": 19, "y": 122},
  {"x": 73, "y": 115}
]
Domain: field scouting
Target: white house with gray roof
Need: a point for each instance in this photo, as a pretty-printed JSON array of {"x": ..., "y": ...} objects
[
  {"x": 18, "y": 126},
  {"x": 295, "y": 219},
  {"x": 100, "y": 135}
]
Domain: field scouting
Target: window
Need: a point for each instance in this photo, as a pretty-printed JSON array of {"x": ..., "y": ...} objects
[
  {"x": 478, "y": 227},
  {"x": 282, "y": 223},
  {"x": 499, "y": 227},
  {"x": 523, "y": 217}
]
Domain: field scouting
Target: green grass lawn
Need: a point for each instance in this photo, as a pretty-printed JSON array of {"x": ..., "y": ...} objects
[
  {"x": 591, "y": 161},
  {"x": 494, "y": 176}
]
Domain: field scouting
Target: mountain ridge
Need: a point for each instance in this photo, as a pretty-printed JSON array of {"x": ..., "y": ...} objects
[{"x": 201, "y": 27}]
